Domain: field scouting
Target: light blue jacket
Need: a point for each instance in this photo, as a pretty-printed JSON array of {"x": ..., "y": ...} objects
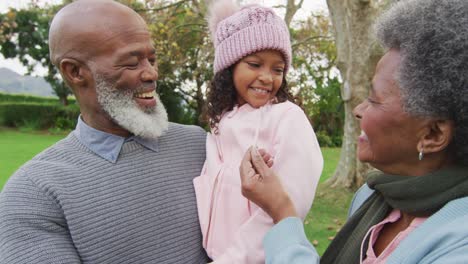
[{"x": 442, "y": 238}]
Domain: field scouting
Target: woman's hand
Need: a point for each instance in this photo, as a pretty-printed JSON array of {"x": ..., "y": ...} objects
[{"x": 262, "y": 186}]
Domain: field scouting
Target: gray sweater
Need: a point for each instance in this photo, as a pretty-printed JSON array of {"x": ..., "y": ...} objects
[{"x": 68, "y": 205}]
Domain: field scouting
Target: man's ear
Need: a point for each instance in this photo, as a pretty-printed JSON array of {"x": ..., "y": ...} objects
[
  {"x": 438, "y": 137},
  {"x": 75, "y": 73}
]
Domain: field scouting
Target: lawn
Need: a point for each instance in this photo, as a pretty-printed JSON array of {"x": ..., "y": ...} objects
[
  {"x": 330, "y": 207},
  {"x": 326, "y": 217},
  {"x": 18, "y": 147}
]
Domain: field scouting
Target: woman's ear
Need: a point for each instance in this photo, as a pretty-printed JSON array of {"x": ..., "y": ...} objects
[
  {"x": 74, "y": 72},
  {"x": 438, "y": 136}
]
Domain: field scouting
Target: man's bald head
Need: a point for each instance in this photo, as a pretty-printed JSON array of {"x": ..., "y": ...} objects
[{"x": 78, "y": 29}]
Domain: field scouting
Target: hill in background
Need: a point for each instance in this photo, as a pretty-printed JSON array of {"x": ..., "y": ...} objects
[{"x": 12, "y": 82}]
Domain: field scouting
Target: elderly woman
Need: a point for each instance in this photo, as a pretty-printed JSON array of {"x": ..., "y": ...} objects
[{"x": 415, "y": 132}]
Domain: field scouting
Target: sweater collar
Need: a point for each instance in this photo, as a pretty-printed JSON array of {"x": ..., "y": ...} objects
[
  {"x": 421, "y": 195},
  {"x": 106, "y": 145}
]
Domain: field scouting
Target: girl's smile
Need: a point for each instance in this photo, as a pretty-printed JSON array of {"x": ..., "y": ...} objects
[{"x": 258, "y": 77}]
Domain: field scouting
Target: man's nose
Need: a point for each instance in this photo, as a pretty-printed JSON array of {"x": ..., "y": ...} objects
[{"x": 150, "y": 73}]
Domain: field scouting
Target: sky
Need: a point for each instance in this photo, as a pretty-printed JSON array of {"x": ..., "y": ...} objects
[{"x": 13, "y": 64}]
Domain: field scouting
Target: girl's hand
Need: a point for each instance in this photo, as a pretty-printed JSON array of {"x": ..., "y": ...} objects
[{"x": 261, "y": 185}]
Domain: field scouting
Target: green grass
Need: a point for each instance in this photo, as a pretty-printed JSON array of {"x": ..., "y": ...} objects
[
  {"x": 326, "y": 217},
  {"x": 18, "y": 147},
  {"x": 331, "y": 156},
  {"x": 330, "y": 207}
]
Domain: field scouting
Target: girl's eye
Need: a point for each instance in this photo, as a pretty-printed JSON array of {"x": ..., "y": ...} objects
[
  {"x": 253, "y": 64},
  {"x": 279, "y": 70}
]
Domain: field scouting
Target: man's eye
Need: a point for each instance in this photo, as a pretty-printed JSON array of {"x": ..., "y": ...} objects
[{"x": 132, "y": 64}]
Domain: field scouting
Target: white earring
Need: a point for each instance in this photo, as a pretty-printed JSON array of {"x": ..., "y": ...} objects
[{"x": 421, "y": 154}]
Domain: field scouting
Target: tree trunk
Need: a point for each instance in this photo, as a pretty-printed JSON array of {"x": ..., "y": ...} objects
[
  {"x": 63, "y": 100},
  {"x": 291, "y": 9},
  {"x": 357, "y": 55}
]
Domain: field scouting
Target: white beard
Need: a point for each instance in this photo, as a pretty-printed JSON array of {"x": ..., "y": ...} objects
[{"x": 120, "y": 105}]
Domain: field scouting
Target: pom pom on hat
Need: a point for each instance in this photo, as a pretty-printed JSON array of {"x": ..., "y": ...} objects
[
  {"x": 218, "y": 11},
  {"x": 237, "y": 32}
]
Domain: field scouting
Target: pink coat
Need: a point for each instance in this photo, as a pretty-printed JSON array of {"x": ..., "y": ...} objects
[{"x": 232, "y": 227}]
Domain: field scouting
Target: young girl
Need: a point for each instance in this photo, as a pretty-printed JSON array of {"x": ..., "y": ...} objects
[{"x": 249, "y": 104}]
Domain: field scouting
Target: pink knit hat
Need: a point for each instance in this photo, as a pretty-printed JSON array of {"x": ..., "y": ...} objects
[{"x": 237, "y": 32}]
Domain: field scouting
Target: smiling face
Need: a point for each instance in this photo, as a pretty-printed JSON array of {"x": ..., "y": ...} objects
[
  {"x": 123, "y": 67},
  {"x": 130, "y": 65},
  {"x": 126, "y": 84},
  {"x": 390, "y": 136},
  {"x": 258, "y": 77}
]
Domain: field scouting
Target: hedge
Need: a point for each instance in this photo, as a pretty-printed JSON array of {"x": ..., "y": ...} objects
[
  {"x": 11, "y": 98},
  {"x": 38, "y": 115}
]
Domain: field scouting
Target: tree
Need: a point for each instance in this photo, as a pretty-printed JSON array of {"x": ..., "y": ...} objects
[
  {"x": 184, "y": 51},
  {"x": 185, "y": 54},
  {"x": 291, "y": 9},
  {"x": 25, "y": 36},
  {"x": 357, "y": 55},
  {"x": 316, "y": 77}
]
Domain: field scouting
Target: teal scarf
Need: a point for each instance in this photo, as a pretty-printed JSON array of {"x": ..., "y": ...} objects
[{"x": 415, "y": 195}]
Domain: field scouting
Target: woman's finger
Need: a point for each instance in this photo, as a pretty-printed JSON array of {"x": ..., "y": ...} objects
[
  {"x": 265, "y": 155},
  {"x": 258, "y": 163},
  {"x": 246, "y": 166},
  {"x": 270, "y": 163}
]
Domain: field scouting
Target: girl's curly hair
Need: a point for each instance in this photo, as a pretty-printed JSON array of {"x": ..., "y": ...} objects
[{"x": 222, "y": 97}]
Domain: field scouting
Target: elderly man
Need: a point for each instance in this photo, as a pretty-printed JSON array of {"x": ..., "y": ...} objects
[{"x": 118, "y": 189}]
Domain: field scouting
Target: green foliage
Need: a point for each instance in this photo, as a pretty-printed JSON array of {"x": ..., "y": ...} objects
[
  {"x": 316, "y": 80},
  {"x": 324, "y": 139},
  {"x": 49, "y": 114},
  {"x": 5, "y": 97},
  {"x": 174, "y": 105},
  {"x": 185, "y": 55},
  {"x": 31, "y": 113},
  {"x": 64, "y": 123},
  {"x": 327, "y": 112},
  {"x": 38, "y": 116},
  {"x": 184, "y": 52},
  {"x": 30, "y": 125},
  {"x": 25, "y": 36}
]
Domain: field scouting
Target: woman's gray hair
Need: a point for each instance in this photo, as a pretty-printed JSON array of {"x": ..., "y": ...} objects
[{"x": 432, "y": 37}]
